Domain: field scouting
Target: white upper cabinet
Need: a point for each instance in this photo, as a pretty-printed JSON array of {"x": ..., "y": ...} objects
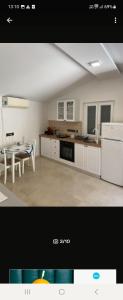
[
  {"x": 67, "y": 110},
  {"x": 61, "y": 110},
  {"x": 70, "y": 110}
]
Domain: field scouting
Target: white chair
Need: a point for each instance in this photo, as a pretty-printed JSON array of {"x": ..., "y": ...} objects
[
  {"x": 23, "y": 157},
  {"x": 6, "y": 163}
]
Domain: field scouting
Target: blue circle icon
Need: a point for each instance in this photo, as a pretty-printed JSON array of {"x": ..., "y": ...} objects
[{"x": 96, "y": 275}]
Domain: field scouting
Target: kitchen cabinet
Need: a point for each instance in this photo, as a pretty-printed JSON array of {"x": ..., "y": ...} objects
[
  {"x": 54, "y": 149},
  {"x": 87, "y": 158},
  {"x": 50, "y": 148},
  {"x": 43, "y": 139},
  {"x": 92, "y": 159},
  {"x": 68, "y": 110},
  {"x": 61, "y": 110},
  {"x": 79, "y": 156},
  {"x": 46, "y": 147}
]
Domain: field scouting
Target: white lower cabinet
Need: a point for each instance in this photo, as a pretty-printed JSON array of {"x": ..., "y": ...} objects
[
  {"x": 43, "y": 139},
  {"x": 50, "y": 148},
  {"x": 54, "y": 149},
  {"x": 46, "y": 147},
  {"x": 87, "y": 158},
  {"x": 79, "y": 156},
  {"x": 92, "y": 159}
]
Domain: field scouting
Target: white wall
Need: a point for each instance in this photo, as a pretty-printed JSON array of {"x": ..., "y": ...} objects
[
  {"x": 95, "y": 90},
  {"x": 27, "y": 123}
]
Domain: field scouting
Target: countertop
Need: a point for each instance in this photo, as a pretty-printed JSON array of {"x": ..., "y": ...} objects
[
  {"x": 12, "y": 199},
  {"x": 93, "y": 144}
]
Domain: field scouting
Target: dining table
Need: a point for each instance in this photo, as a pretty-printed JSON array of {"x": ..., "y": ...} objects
[{"x": 13, "y": 150}]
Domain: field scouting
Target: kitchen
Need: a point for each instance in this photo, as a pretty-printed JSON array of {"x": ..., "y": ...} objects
[
  {"x": 91, "y": 154},
  {"x": 67, "y": 146},
  {"x": 68, "y": 126}
]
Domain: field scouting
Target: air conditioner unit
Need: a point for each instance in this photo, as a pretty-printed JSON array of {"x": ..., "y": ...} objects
[{"x": 14, "y": 102}]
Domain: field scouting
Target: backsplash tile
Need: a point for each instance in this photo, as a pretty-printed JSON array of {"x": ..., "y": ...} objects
[{"x": 63, "y": 126}]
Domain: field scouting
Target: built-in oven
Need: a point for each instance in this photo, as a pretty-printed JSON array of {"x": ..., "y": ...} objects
[{"x": 67, "y": 150}]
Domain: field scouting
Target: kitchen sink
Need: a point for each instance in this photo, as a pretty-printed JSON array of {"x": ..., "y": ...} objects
[{"x": 85, "y": 139}]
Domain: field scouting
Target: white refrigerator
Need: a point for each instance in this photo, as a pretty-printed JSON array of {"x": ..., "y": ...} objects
[{"x": 112, "y": 153}]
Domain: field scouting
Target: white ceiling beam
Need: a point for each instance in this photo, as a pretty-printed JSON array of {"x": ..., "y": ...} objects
[
  {"x": 73, "y": 59},
  {"x": 109, "y": 56}
]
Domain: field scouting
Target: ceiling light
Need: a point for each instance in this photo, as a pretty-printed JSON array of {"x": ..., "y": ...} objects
[{"x": 94, "y": 64}]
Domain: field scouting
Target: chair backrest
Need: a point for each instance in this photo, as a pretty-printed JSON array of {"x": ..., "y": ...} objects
[
  {"x": 34, "y": 147},
  {"x": 3, "y": 163},
  {"x": 32, "y": 142}
]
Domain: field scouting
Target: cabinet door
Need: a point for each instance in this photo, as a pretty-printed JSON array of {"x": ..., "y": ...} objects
[
  {"x": 43, "y": 146},
  {"x": 55, "y": 149},
  {"x": 92, "y": 159},
  {"x": 48, "y": 147},
  {"x": 70, "y": 110},
  {"x": 79, "y": 156},
  {"x": 60, "y": 110}
]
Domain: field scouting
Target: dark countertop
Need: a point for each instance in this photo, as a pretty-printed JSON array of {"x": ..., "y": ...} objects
[
  {"x": 12, "y": 199},
  {"x": 93, "y": 144}
]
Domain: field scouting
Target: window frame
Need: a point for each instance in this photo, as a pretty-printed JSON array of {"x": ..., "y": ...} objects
[
  {"x": 98, "y": 105},
  {"x": 86, "y": 117}
]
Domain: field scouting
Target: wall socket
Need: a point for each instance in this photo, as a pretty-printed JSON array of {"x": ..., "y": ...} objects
[{"x": 9, "y": 133}]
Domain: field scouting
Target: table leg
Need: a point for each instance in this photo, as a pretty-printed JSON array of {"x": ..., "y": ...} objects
[
  {"x": 13, "y": 167},
  {"x": 33, "y": 162}
]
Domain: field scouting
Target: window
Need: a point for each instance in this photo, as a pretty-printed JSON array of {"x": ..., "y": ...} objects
[
  {"x": 105, "y": 114},
  {"x": 91, "y": 119},
  {"x": 95, "y": 114}
]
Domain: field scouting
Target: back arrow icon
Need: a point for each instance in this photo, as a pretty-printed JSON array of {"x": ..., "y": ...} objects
[
  {"x": 97, "y": 292},
  {"x": 9, "y": 20}
]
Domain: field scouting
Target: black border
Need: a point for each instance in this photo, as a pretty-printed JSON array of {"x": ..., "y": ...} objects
[{"x": 27, "y": 234}]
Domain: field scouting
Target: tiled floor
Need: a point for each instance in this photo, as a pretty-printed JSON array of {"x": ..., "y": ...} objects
[{"x": 55, "y": 184}]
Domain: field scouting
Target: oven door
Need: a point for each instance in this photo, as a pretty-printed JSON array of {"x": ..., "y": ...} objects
[{"x": 67, "y": 150}]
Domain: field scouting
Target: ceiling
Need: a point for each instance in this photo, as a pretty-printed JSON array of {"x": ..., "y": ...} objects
[
  {"x": 41, "y": 70},
  {"x": 83, "y": 53}
]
